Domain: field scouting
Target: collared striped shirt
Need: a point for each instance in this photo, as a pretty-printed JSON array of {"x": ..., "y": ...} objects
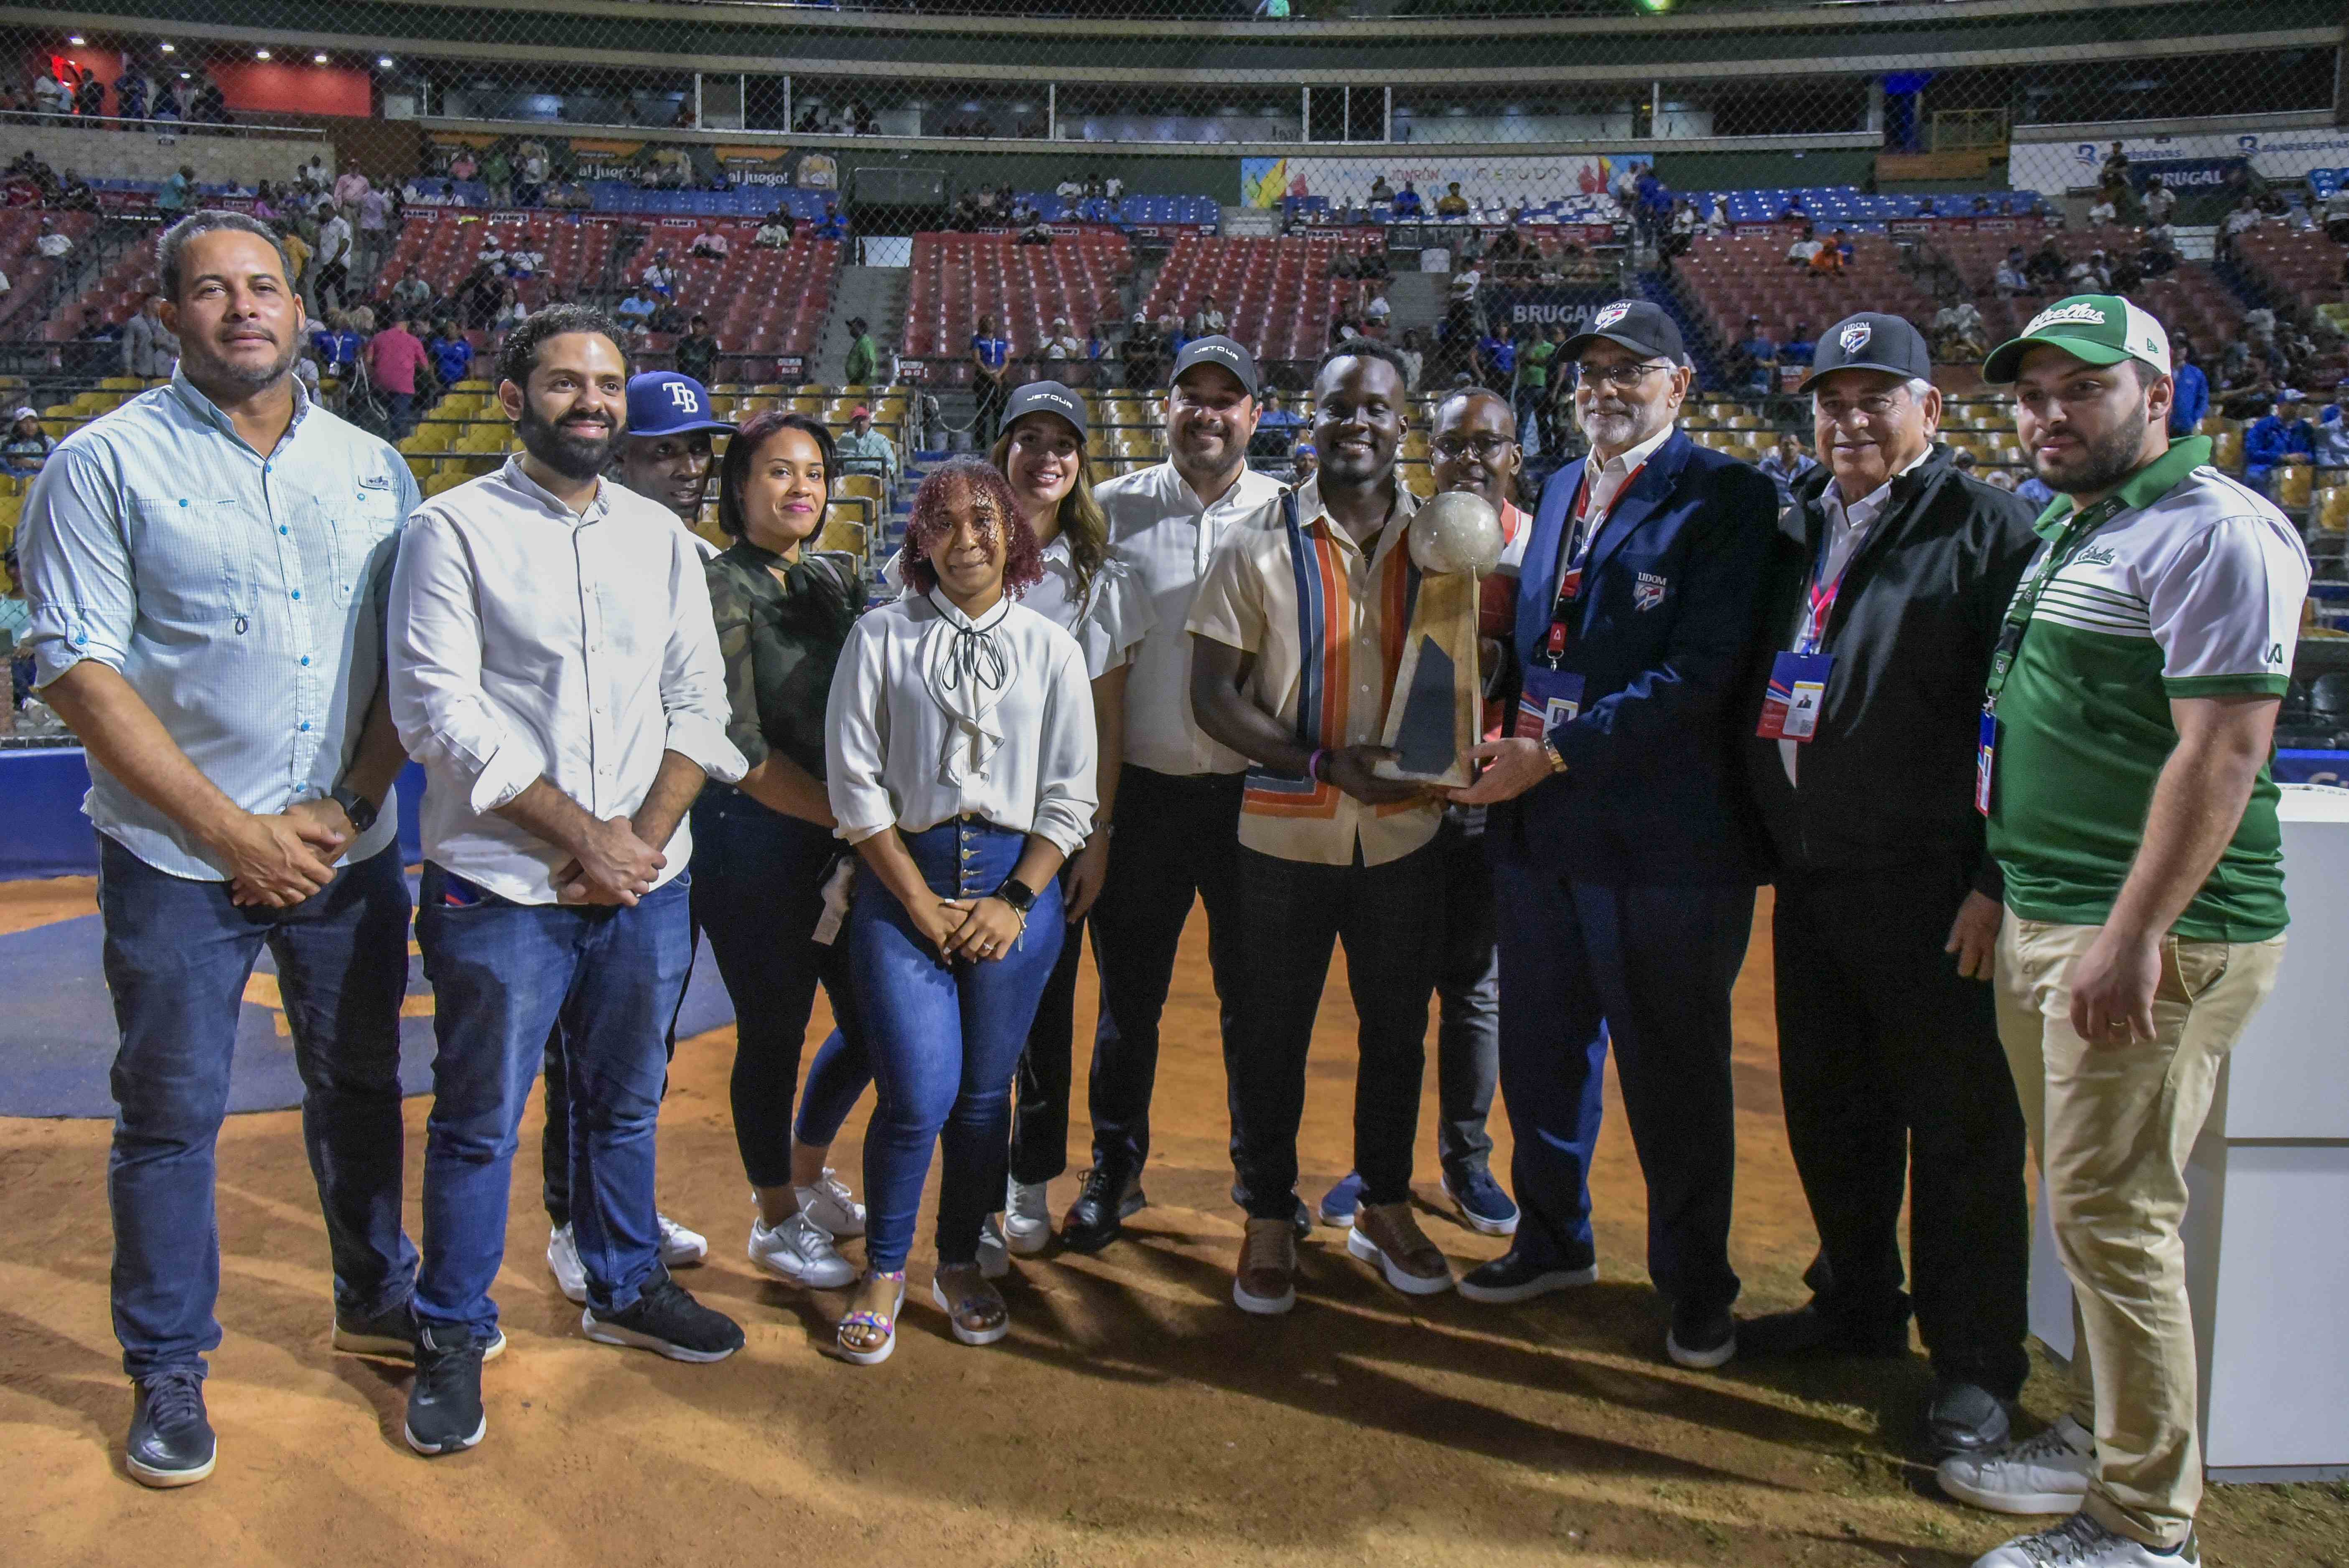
[
  {"x": 240, "y": 595},
  {"x": 1327, "y": 630}
]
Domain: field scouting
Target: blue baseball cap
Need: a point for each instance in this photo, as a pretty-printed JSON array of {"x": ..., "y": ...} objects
[{"x": 662, "y": 403}]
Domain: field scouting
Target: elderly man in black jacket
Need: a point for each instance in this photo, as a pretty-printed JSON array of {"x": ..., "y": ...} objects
[{"x": 1883, "y": 599}]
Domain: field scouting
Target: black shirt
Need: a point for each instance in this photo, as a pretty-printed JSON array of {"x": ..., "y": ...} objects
[{"x": 781, "y": 640}]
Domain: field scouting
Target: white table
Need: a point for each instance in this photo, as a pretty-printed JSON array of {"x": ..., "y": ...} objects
[{"x": 2267, "y": 1228}]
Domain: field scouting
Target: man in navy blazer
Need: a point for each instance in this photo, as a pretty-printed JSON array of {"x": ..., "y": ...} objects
[{"x": 1621, "y": 853}]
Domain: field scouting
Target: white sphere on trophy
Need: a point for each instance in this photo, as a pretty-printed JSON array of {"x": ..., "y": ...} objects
[{"x": 1456, "y": 532}]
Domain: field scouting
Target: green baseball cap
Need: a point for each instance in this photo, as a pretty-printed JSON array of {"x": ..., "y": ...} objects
[{"x": 2098, "y": 329}]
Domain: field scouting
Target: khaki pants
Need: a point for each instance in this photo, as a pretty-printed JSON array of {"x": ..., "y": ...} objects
[{"x": 2112, "y": 1127}]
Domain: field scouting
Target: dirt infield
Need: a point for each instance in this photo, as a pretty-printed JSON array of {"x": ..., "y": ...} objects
[{"x": 1134, "y": 1416}]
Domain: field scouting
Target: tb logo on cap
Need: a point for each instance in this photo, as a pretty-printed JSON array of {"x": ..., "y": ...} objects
[{"x": 682, "y": 397}]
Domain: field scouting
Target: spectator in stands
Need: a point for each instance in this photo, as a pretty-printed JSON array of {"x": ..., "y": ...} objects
[
  {"x": 89, "y": 98},
  {"x": 1413, "y": 350},
  {"x": 333, "y": 256},
  {"x": 2191, "y": 400},
  {"x": 509, "y": 313},
  {"x": 990, "y": 359},
  {"x": 2102, "y": 213},
  {"x": 2331, "y": 431},
  {"x": 130, "y": 94},
  {"x": 2160, "y": 201},
  {"x": 1276, "y": 428},
  {"x": 393, "y": 359},
  {"x": 1800, "y": 349},
  {"x": 2010, "y": 279},
  {"x": 1833, "y": 255},
  {"x": 1786, "y": 463},
  {"x": 1062, "y": 343},
  {"x": 1451, "y": 203},
  {"x": 2048, "y": 265},
  {"x": 2242, "y": 220},
  {"x": 1071, "y": 189},
  {"x": 1173, "y": 330},
  {"x": 2277, "y": 437},
  {"x": 2128, "y": 277},
  {"x": 659, "y": 276},
  {"x": 173, "y": 198},
  {"x": 1757, "y": 357},
  {"x": 1960, "y": 333},
  {"x": 1144, "y": 353},
  {"x": 774, "y": 231},
  {"x": 49, "y": 96},
  {"x": 668, "y": 317},
  {"x": 373, "y": 241},
  {"x": 697, "y": 352},
  {"x": 27, "y": 445},
  {"x": 1804, "y": 252},
  {"x": 833, "y": 225},
  {"x": 1377, "y": 310},
  {"x": 1098, "y": 352},
  {"x": 167, "y": 102},
  {"x": 1407, "y": 202},
  {"x": 208, "y": 105},
  {"x": 864, "y": 450},
  {"x": 711, "y": 245},
  {"x": 1494, "y": 361},
  {"x": 1208, "y": 321},
  {"x": 452, "y": 355},
  {"x": 636, "y": 309},
  {"x": 150, "y": 350},
  {"x": 336, "y": 343},
  {"x": 411, "y": 296},
  {"x": 54, "y": 245},
  {"x": 1035, "y": 234},
  {"x": 350, "y": 184},
  {"x": 2091, "y": 275}
]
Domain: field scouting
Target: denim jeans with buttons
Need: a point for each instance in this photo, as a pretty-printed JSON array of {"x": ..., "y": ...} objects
[
  {"x": 178, "y": 955},
  {"x": 945, "y": 1040}
]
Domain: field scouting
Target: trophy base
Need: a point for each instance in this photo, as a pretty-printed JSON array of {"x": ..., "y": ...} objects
[{"x": 1456, "y": 776}]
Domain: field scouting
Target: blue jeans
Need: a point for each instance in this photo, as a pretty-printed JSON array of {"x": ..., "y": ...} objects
[
  {"x": 504, "y": 975},
  {"x": 945, "y": 1041},
  {"x": 757, "y": 891},
  {"x": 177, "y": 954}
]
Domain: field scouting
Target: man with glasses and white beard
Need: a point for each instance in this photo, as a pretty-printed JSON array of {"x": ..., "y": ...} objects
[{"x": 1620, "y": 856}]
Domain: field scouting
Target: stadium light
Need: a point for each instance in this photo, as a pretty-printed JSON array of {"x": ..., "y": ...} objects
[
  {"x": 317, "y": 59},
  {"x": 260, "y": 53},
  {"x": 1654, "y": 7},
  {"x": 77, "y": 40},
  {"x": 383, "y": 63},
  {"x": 171, "y": 49}
]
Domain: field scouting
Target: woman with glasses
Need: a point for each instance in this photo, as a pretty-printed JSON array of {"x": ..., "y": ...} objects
[
  {"x": 960, "y": 757},
  {"x": 764, "y": 850}
]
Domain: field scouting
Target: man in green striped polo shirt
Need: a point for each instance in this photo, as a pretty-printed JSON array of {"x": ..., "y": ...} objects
[{"x": 2125, "y": 771}]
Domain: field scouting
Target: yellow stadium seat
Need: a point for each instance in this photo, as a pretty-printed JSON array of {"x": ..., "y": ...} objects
[
  {"x": 2332, "y": 509},
  {"x": 868, "y": 486},
  {"x": 2292, "y": 484},
  {"x": 847, "y": 533},
  {"x": 2227, "y": 449}
]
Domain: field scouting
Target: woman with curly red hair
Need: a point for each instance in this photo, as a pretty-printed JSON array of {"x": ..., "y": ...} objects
[{"x": 959, "y": 759}]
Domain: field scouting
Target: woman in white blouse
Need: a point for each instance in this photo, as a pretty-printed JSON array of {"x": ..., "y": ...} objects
[
  {"x": 960, "y": 757},
  {"x": 1098, "y": 600}
]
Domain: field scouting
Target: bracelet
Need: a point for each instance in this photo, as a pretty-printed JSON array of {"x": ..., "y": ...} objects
[{"x": 1313, "y": 764}]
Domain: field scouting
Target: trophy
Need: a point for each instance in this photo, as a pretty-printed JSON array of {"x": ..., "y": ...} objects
[{"x": 1434, "y": 718}]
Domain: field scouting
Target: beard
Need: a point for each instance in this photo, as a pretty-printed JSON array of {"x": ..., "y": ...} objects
[
  {"x": 249, "y": 379},
  {"x": 2101, "y": 463},
  {"x": 571, "y": 456}
]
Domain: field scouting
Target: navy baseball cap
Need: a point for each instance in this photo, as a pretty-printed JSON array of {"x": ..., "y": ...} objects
[
  {"x": 1646, "y": 329},
  {"x": 1871, "y": 341},
  {"x": 662, "y": 403},
  {"x": 1222, "y": 352},
  {"x": 1048, "y": 398}
]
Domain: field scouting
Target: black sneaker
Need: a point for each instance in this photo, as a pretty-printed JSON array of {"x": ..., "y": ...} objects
[
  {"x": 172, "y": 1441},
  {"x": 1965, "y": 1418},
  {"x": 1701, "y": 1337},
  {"x": 1098, "y": 1216},
  {"x": 444, "y": 1408},
  {"x": 666, "y": 1319},
  {"x": 390, "y": 1335},
  {"x": 1514, "y": 1277}
]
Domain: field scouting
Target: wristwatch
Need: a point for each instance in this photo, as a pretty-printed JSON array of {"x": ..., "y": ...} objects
[
  {"x": 1017, "y": 894},
  {"x": 1549, "y": 750},
  {"x": 356, "y": 806}
]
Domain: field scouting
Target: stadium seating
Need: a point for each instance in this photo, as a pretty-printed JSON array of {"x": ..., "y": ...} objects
[
  {"x": 956, "y": 278},
  {"x": 29, "y": 270},
  {"x": 2301, "y": 268},
  {"x": 1857, "y": 209},
  {"x": 1277, "y": 294},
  {"x": 1729, "y": 277}
]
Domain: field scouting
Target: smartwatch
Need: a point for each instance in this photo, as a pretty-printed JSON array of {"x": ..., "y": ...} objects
[
  {"x": 356, "y": 806},
  {"x": 1017, "y": 894}
]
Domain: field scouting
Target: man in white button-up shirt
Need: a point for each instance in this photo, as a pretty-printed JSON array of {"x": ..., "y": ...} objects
[
  {"x": 556, "y": 672},
  {"x": 1178, "y": 805},
  {"x": 207, "y": 568}
]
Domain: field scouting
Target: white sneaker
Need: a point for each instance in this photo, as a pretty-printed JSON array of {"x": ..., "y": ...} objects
[
  {"x": 829, "y": 1205},
  {"x": 801, "y": 1252},
  {"x": 563, "y": 1262},
  {"x": 2046, "y": 1474},
  {"x": 994, "y": 1251},
  {"x": 680, "y": 1248},
  {"x": 2081, "y": 1542},
  {"x": 1026, "y": 1217}
]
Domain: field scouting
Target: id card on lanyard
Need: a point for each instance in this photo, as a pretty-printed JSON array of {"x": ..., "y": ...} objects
[
  {"x": 2010, "y": 636},
  {"x": 1798, "y": 680},
  {"x": 1553, "y": 696}
]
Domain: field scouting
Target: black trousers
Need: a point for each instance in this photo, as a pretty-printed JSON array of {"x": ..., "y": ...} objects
[
  {"x": 1039, "y": 1116},
  {"x": 1892, "y": 1074},
  {"x": 987, "y": 424},
  {"x": 1291, "y": 914},
  {"x": 1177, "y": 841}
]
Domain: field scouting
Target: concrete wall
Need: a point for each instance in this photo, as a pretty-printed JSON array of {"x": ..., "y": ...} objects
[{"x": 244, "y": 158}]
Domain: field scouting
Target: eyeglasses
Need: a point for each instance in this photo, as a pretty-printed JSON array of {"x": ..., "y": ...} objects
[
  {"x": 1622, "y": 378},
  {"x": 1486, "y": 447}
]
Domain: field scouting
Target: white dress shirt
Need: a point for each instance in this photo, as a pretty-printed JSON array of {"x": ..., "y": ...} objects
[
  {"x": 1605, "y": 481},
  {"x": 528, "y": 642},
  {"x": 917, "y": 732},
  {"x": 1157, "y": 527},
  {"x": 1848, "y": 527}
]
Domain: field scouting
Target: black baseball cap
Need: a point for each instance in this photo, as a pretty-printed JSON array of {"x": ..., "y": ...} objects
[
  {"x": 1221, "y": 352},
  {"x": 1048, "y": 398},
  {"x": 1870, "y": 341},
  {"x": 1644, "y": 328}
]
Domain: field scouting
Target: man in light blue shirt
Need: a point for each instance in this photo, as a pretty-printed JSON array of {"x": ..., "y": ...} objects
[{"x": 209, "y": 569}]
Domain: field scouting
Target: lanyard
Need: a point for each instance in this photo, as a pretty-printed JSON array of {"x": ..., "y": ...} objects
[
  {"x": 1586, "y": 534},
  {"x": 2026, "y": 597},
  {"x": 1822, "y": 593}
]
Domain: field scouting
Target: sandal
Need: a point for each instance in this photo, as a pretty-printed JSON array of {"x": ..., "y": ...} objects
[
  {"x": 983, "y": 1303},
  {"x": 885, "y": 1322}
]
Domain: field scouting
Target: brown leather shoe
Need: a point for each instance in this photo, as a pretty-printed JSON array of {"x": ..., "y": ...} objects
[
  {"x": 1266, "y": 1280},
  {"x": 1388, "y": 1235}
]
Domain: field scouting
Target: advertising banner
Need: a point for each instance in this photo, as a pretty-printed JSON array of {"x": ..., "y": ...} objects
[
  {"x": 1431, "y": 171},
  {"x": 1573, "y": 306},
  {"x": 2186, "y": 163}
]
